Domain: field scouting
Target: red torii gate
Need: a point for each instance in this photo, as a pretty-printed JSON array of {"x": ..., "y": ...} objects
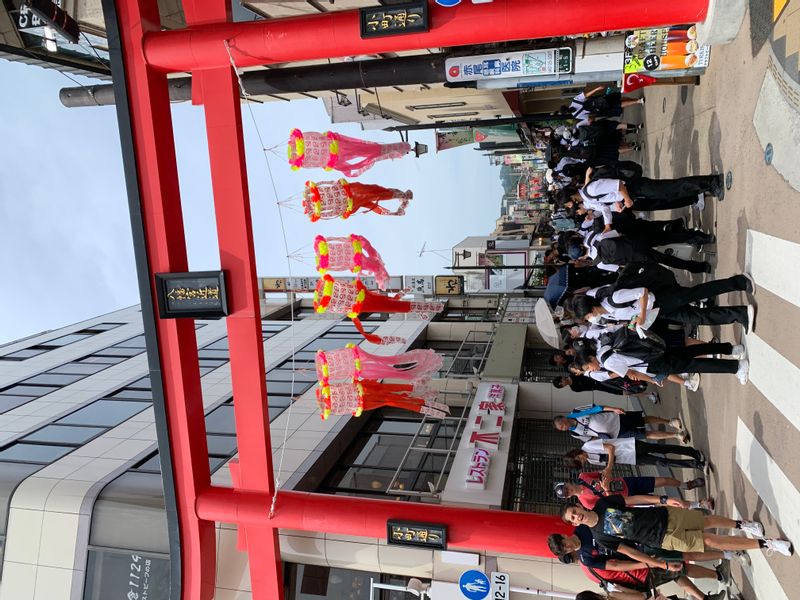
[{"x": 142, "y": 55}]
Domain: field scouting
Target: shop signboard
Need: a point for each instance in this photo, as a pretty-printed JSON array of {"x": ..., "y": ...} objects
[
  {"x": 477, "y": 475},
  {"x": 396, "y": 19},
  {"x": 407, "y": 533},
  {"x": 281, "y": 285},
  {"x": 418, "y": 284},
  {"x": 664, "y": 49},
  {"x": 453, "y": 138},
  {"x": 509, "y": 65},
  {"x": 194, "y": 295},
  {"x": 128, "y": 576},
  {"x": 449, "y": 285}
]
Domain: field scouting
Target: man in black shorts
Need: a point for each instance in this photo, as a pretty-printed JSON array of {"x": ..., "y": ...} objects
[{"x": 608, "y": 422}]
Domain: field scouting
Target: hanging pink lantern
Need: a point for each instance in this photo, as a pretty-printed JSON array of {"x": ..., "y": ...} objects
[
  {"x": 352, "y": 362},
  {"x": 353, "y": 298},
  {"x": 334, "y": 199},
  {"x": 354, "y": 397},
  {"x": 353, "y": 253},
  {"x": 330, "y": 150}
]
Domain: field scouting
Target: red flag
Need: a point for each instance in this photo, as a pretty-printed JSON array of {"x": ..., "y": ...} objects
[{"x": 634, "y": 81}]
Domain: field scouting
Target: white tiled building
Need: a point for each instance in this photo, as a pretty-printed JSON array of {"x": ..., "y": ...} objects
[{"x": 81, "y": 506}]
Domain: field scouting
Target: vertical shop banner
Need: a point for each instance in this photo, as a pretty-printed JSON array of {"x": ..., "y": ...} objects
[
  {"x": 453, "y": 138},
  {"x": 665, "y": 49}
]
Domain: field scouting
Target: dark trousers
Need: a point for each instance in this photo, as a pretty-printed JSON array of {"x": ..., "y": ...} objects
[
  {"x": 684, "y": 360},
  {"x": 669, "y": 260},
  {"x": 657, "y": 233},
  {"x": 656, "y": 454},
  {"x": 667, "y": 190},
  {"x": 674, "y": 303}
]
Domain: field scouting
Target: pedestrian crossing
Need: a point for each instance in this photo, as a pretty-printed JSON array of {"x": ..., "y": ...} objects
[
  {"x": 772, "y": 264},
  {"x": 760, "y": 574},
  {"x": 765, "y": 363}
]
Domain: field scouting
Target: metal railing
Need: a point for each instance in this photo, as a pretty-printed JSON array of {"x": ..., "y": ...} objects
[{"x": 472, "y": 339}]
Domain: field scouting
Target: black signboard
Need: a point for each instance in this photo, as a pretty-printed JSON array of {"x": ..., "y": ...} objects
[
  {"x": 197, "y": 295},
  {"x": 564, "y": 60},
  {"x": 409, "y": 17},
  {"x": 407, "y": 533}
]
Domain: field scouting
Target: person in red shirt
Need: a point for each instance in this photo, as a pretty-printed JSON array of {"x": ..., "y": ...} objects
[{"x": 636, "y": 490}]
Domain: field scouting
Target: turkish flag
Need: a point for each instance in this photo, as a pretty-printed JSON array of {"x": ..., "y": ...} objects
[{"x": 634, "y": 81}]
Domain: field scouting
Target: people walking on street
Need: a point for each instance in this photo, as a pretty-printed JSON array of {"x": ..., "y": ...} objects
[
  {"x": 630, "y": 451},
  {"x": 619, "y": 386},
  {"x": 596, "y": 103},
  {"x": 609, "y": 422},
  {"x": 614, "y": 524},
  {"x": 636, "y": 490}
]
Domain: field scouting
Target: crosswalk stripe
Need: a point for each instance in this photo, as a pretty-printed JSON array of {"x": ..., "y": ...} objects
[
  {"x": 772, "y": 262},
  {"x": 775, "y": 377},
  {"x": 769, "y": 481},
  {"x": 760, "y": 574}
]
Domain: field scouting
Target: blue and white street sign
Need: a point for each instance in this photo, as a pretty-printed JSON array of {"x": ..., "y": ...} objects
[{"x": 474, "y": 585}]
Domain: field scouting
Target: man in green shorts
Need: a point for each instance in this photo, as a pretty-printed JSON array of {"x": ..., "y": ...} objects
[{"x": 669, "y": 528}]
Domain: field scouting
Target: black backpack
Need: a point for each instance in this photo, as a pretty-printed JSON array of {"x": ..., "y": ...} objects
[
  {"x": 621, "y": 251},
  {"x": 650, "y": 275},
  {"x": 627, "y": 342},
  {"x": 624, "y": 170}
]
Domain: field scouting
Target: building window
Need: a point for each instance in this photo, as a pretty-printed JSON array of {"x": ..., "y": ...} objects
[
  {"x": 436, "y": 105},
  {"x": 462, "y": 358},
  {"x": 453, "y": 115},
  {"x": 59, "y": 342},
  {"x": 461, "y": 315},
  {"x": 381, "y": 459},
  {"x": 309, "y": 581},
  {"x": 120, "y": 574}
]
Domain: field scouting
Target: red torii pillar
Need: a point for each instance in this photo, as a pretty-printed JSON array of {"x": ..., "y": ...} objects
[{"x": 145, "y": 55}]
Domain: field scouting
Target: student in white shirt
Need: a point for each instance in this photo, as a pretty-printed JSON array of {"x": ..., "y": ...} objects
[
  {"x": 671, "y": 304},
  {"x": 630, "y": 451}
]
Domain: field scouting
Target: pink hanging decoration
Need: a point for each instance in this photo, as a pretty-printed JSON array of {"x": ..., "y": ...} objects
[
  {"x": 353, "y": 298},
  {"x": 334, "y": 199},
  {"x": 353, "y": 362},
  {"x": 354, "y": 397},
  {"x": 353, "y": 253},
  {"x": 330, "y": 150}
]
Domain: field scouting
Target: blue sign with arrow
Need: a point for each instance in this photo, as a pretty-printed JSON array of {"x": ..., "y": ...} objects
[{"x": 448, "y": 3}]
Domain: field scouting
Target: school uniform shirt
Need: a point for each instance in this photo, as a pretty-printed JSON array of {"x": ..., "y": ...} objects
[
  {"x": 589, "y": 498},
  {"x": 619, "y": 524},
  {"x": 599, "y": 375},
  {"x": 625, "y": 451},
  {"x": 592, "y": 554},
  {"x": 567, "y": 160},
  {"x": 602, "y": 190},
  {"x": 577, "y": 109},
  {"x": 604, "y": 425},
  {"x": 621, "y": 363},
  {"x": 626, "y": 313},
  {"x": 601, "y": 208}
]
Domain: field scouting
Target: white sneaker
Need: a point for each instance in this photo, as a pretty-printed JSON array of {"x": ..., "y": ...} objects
[
  {"x": 780, "y": 546},
  {"x": 753, "y": 528},
  {"x": 741, "y": 374},
  {"x": 738, "y": 352},
  {"x": 692, "y": 383},
  {"x": 742, "y": 557},
  {"x": 701, "y": 202}
]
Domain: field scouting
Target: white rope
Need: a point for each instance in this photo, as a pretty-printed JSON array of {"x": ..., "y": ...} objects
[{"x": 279, "y": 204}]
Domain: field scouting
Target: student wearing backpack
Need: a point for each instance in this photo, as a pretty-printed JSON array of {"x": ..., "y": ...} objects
[
  {"x": 636, "y": 490},
  {"x": 649, "y": 359},
  {"x": 630, "y": 451},
  {"x": 595, "y": 103},
  {"x": 615, "y": 525},
  {"x": 620, "y": 303},
  {"x": 608, "y": 422},
  {"x": 619, "y": 386},
  {"x": 645, "y": 194},
  {"x": 617, "y": 569}
]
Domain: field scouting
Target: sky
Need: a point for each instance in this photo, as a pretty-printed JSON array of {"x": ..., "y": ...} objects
[{"x": 65, "y": 242}]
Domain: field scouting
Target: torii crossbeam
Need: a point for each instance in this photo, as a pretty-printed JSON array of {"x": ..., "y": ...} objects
[{"x": 142, "y": 55}]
